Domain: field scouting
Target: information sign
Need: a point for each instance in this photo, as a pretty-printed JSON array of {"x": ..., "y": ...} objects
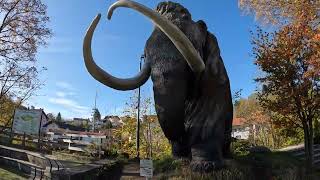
[{"x": 146, "y": 168}]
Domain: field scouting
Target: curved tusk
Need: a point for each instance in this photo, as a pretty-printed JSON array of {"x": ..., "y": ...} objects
[
  {"x": 178, "y": 38},
  {"x": 104, "y": 77}
]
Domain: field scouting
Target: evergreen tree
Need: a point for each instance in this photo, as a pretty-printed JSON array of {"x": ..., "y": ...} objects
[
  {"x": 96, "y": 114},
  {"x": 59, "y": 118}
]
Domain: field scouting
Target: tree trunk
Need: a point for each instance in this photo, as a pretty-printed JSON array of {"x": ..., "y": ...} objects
[
  {"x": 311, "y": 143},
  {"x": 306, "y": 146}
]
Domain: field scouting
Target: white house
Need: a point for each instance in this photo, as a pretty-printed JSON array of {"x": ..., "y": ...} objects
[{"x": 240, "y": 130}]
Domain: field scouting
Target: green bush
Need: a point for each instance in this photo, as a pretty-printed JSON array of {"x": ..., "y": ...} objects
[
  {"x": 122, "y": 157},
  {"x": 5, "y": 139},
  {"x": 240, "y": 147},
  {"x": 167, "y": 163},
  {"x": 110, "y": 153},
  {"x": 316, "y": 132}
]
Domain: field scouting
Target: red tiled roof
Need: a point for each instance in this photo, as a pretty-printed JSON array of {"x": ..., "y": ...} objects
[
  {"x": 238, "y": 121},
  {"x": 77, "y": 132}
]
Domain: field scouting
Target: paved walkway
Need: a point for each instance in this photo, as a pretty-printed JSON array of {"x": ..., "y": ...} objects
[
  {"x": 131, "y": 170},
  {"x": 292, "y": 148}
]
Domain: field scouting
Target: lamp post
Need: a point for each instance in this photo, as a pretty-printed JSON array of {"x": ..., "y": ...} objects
[{"x": 138, "y": 118}]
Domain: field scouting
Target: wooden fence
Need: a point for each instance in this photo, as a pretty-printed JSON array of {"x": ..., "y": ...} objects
[
  {"x": 43, "y": 143},
  {"x": 30, "y": 142}
]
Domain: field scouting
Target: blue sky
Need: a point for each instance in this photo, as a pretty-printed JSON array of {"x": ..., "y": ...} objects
[{"x": 117, "y": 47}]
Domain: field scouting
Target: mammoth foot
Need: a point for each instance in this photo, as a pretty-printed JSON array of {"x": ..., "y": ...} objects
[
  {"x": 180, "y": 150},
  {"x": 205, "y": 166}
]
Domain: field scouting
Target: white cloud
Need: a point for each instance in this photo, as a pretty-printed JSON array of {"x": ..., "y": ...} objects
[
  {"x": 58, "y": 45},
  {"x": 70, "y": 105},
  {"x": 64, "y": 94},
  {"x": 63, "y": 100},
  {"x": 61, "y": 94},
  {"x": 65, "y": 85}
]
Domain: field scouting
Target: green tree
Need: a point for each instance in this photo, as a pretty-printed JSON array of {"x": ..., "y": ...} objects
[
  {"x": 51, "y": 117},
  {"x": 236, "y": 96},
  {"x": 59, "y": 117},
  {"x": 96, "y": 114},
  {"x": 317, "y": 131},
  {"x": 96, "y": 117}
]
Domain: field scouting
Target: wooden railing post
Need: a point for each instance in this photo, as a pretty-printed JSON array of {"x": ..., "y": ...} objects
[{"x": 24, "y": 140}]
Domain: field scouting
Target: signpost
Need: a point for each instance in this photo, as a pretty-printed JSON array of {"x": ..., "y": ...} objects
[
  {"x": 146, "y": 168},
  {"x": 27, "y": 121}
]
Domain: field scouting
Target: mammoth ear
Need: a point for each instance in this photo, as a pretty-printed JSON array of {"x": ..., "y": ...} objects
[
  {"x": 213, "y": 61},
  {"x": 202, "y": 25}
]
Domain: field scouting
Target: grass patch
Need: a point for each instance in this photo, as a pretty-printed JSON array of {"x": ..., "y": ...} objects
[
  {"x": 275, "y": 165},
  {"x": 17, "y": 143},
  {"x": 7, "y": 173},
  {"x": 182, "y": 172},
  {"x": 274, "y": 159},
  {"x": 169, "y": 164},
  {"x": 74, "y": 157}
]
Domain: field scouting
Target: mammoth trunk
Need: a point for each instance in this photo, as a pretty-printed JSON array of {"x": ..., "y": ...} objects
[{"x": 170, "y": 92}]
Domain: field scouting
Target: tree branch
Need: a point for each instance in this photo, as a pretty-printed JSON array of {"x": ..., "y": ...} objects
[{"x": 7, "y": 15}]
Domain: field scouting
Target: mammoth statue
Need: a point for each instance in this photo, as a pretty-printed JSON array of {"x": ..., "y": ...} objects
[{"x": 190, "y": 83}]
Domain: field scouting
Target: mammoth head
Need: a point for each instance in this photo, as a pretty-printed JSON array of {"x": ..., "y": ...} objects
[
  {"x": 173, "y": 11},
  {"x": 164, "y": 18}
]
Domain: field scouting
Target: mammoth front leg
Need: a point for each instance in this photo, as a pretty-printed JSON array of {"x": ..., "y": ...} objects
[
  {"x": 173, "y": 127},
  {"x": 207, "y": 154},
  {"x": 170, "y": 93},
  {"x": 171, "y": 119},
  {"x": 206, "y": 135}
]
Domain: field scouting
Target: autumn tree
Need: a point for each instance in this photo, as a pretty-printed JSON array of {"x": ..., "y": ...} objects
[
  {"x": 289, "y": 59},
  {"x": 152, "y": 139},
  {"x": 260, "y": 120},
  {"x": 246, "y": 106},
  {"x": 125, "y": 136},
  {"x": 131, "y": 112},
  {"x": 6, "y": 111},
  {"x": 23, "y": 29}
]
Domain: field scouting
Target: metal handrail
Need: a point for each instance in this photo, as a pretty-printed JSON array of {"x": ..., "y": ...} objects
[{"x": 57, "y": 164}]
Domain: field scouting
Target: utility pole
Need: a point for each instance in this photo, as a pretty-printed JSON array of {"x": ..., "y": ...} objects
[
  {"x": 138, "y": 118},
  {"x": 94, "y": 110},
  {"x": 150, "y": 132}
]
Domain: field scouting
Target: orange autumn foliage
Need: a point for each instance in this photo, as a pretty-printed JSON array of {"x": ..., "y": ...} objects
[{"x": 289, "y": 59}]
